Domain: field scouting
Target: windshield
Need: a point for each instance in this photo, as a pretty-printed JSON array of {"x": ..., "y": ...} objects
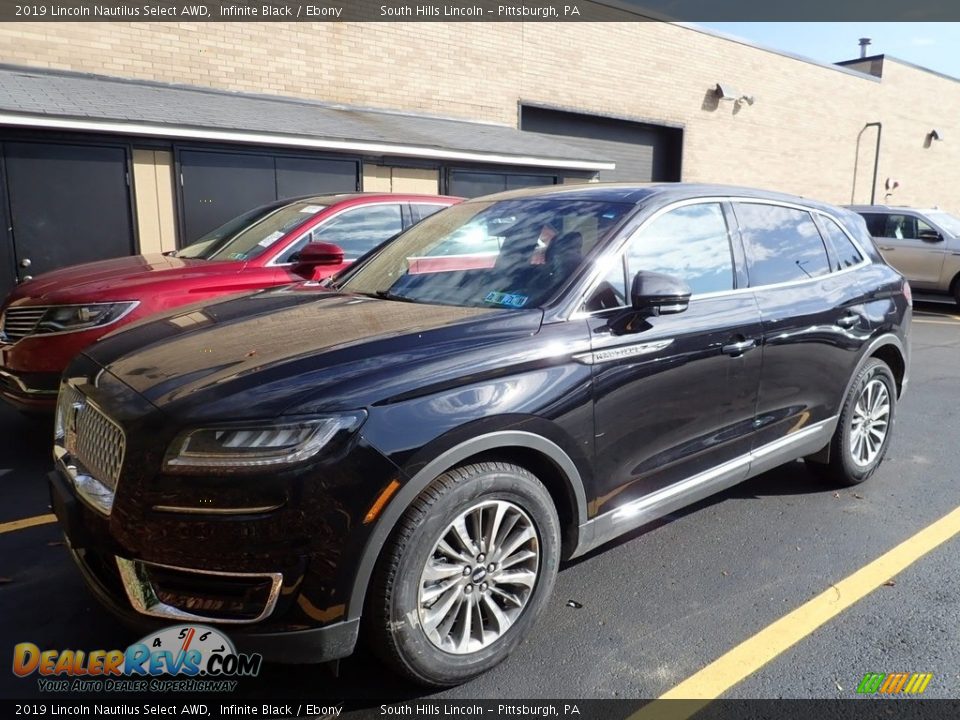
[
  {"x": 507, "y": 254},
  {"x": 947, "y": 221},
  {"x": 247, "y": 236}
]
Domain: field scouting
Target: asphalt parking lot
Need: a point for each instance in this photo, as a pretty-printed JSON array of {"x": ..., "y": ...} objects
[{"x": 651, "y": 610}]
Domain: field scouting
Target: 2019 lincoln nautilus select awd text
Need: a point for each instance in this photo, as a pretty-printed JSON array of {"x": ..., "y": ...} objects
[{"x": 415, "y": 445}]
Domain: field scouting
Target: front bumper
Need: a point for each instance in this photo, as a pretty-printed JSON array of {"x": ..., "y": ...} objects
[
  {"x": 29, "y": 392},
  {"x": 119, "y": 589}
]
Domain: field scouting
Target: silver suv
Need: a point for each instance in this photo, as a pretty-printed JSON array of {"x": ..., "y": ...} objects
[{"x": 924, "y": 245}]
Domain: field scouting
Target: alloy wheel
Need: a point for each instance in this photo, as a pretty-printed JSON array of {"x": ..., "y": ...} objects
[
  {"x": 479, "y": 577},
  {"x": 870, "y": 422}
]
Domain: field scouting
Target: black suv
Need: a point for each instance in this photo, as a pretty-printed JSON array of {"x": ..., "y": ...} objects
[{"x": 418, "y": 444}]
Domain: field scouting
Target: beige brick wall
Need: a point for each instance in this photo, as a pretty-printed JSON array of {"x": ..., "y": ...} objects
[
  {"x": 153, "y": 189},
  {"x": 379, "y": 178},
  {"x": 376, "y": 178},
  {"x": 415, "y": 180},
  {"x": 799, "y": 136}
]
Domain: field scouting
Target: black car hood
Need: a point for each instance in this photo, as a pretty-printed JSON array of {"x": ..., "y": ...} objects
[{"x": 299, "y": 349}]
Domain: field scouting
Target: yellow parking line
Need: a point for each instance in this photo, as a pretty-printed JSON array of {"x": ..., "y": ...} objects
[
  {"x": 937, "y": 322},
  {"x": 755, "y": 652},
  {"x": 27, "y": 522}
]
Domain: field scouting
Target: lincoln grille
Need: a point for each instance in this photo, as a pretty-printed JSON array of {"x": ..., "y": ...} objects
[
  {"x": 94, "y": 440},
  {"x": 18, "y": 322}
]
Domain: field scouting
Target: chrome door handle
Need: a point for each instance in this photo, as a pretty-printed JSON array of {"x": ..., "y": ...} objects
[
  {"x": 848, "y": 321},
  {"x": 739, "y": 348},
  {"x": 886, "y": 248}
]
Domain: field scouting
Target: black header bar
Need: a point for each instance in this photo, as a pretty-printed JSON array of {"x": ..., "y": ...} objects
[{"x": 475, "y": 10}]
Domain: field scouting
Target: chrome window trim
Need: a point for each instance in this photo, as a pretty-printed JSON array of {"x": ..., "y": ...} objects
[
  {"x": 273, "y": 262},
  {"x": 144, "y": 599},
  {"x": 605, "y": 263}
]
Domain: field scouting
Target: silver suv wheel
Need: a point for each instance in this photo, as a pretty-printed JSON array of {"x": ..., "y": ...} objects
[
  {"x": 479, "y": 577},
  {"x": 870, "y": 422}
]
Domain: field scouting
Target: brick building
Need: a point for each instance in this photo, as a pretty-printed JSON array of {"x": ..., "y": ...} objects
[{"x": 137, "y": 137}]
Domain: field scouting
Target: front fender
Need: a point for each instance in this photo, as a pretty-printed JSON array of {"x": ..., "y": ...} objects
[{"x": 420, "y": 472}]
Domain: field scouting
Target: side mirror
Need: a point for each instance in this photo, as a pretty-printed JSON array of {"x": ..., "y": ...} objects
[
  {"x": 930, "y": 236},
  {"x": 658, "y": 294},
  {"x": 319, "y": 253}
]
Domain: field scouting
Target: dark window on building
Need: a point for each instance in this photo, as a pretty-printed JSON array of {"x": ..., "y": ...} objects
[
  {"x": 469, "y": 183},
  {"x": 782, "y": 244},
  {"x": 844, "y": 250},
  {"x": 218, "y": 186}
]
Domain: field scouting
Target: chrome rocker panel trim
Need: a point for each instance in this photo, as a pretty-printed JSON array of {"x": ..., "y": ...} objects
[{"x": 614, "y": 523}]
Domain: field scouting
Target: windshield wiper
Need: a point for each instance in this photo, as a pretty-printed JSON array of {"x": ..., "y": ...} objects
[{"x": 387, "y": 295}]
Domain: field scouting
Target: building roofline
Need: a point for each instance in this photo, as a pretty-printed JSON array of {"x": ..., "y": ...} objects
[
  {"x": 782, "y": 53},
  {"x": 47, "y": 122},
  {"x": 901, "y": 61},
  {"x": 223, "y": 92}
]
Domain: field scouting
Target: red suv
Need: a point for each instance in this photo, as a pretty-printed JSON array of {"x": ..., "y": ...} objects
[{"x": 46, "y": 321}]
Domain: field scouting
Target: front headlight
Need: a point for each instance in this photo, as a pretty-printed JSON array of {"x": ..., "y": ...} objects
[
  {"x": 71, "y": 318},
  {"x": 255, "y": 446}
]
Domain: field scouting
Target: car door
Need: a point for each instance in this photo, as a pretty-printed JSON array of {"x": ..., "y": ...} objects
[
  {"x": 914, "y": 247},
  {"x": 676, "y": 397},
  {"x": 814, "y": 319}
]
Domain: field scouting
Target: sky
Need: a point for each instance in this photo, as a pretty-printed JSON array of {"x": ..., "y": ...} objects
[{"x": 933, "y": 45}]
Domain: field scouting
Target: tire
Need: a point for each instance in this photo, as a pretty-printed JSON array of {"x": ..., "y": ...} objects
[
  {"x": 853, "y": 461},
  {"x": 408, "y": 624}
]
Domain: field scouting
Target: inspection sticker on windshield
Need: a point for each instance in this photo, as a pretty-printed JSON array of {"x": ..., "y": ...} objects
[
  {"x": 312, "y": 209},
  {"x": 270, "y": 239},
  {"x": 499, "y": 298}
]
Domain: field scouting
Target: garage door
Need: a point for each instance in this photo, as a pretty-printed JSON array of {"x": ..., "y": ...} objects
[
  {"x": 68, "y": 204},
  {"x": 218, "y": 186},
  {"x": 642, "y": 152}
]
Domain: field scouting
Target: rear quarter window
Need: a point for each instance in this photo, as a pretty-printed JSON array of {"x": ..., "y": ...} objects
[{"x": 845, "y": 253}]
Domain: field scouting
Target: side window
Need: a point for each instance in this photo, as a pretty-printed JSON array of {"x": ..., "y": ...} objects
[
  {"x": 356, "y": 231},
  {"x": 924, "y": 229},
  {"x": 905, "y": 227},
  {"x": 782, "y": 244},
  {"x": 691, "y": 243},
  {"x": 361, "y": 229},
  {"x": 902, "y": 227},
  {"x": 424, "y": 210},
  {"x": 844, "y": 251},
  {"x": 876, "y": 224}
]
